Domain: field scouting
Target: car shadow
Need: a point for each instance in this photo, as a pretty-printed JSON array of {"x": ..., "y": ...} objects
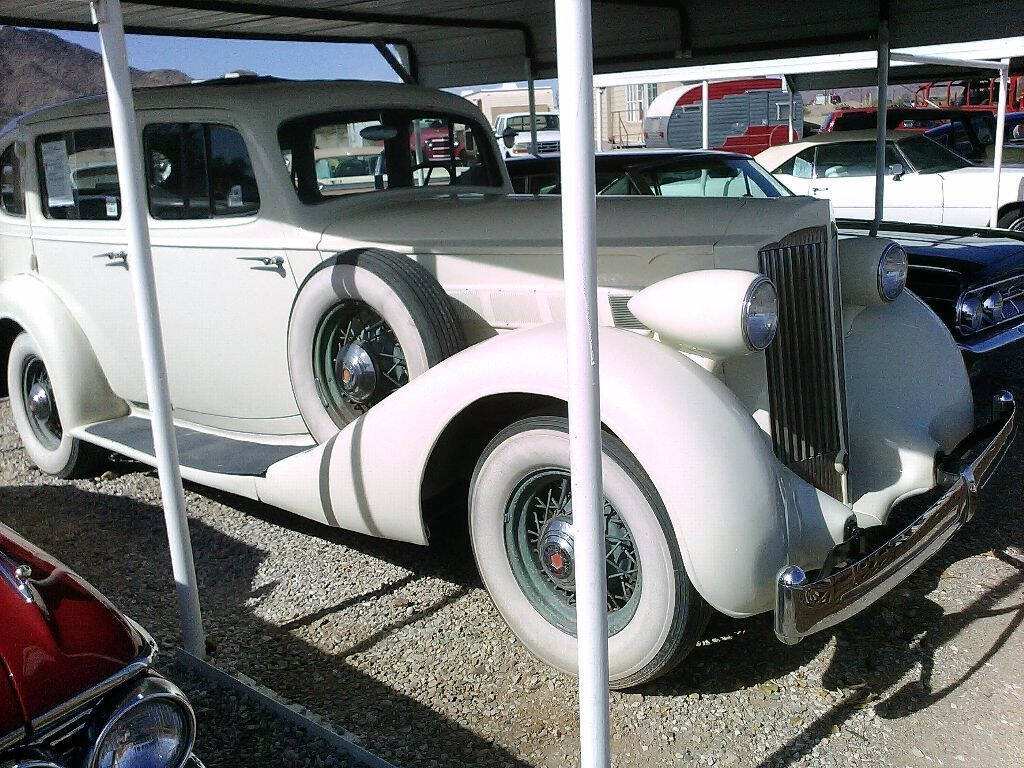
[{"x": 130, "y": 564}]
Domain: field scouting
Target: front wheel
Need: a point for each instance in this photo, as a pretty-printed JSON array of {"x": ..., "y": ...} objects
[
  {"x": 1012, "y": 219},
  {"x": 35, "y": 413},
  {"x": 520, "y": 508}
]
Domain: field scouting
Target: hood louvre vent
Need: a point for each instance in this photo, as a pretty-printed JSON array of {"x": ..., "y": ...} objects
[{"x": 621, "y": 316}]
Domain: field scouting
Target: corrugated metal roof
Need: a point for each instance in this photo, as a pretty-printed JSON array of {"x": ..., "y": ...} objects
[{"x": 459, "y": 42}]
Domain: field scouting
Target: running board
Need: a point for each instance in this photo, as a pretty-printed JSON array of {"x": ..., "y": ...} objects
[{"x": 199, "y": 451}]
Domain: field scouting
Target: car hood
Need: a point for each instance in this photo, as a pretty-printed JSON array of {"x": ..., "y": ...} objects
[
  {"x": 524, "y": 136},
  {"x": 60, "y": 636},
  {"x": 653, "y": 233}
]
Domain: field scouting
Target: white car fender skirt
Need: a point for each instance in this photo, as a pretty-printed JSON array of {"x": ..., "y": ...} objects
[
  {"x": 706, "y": 456},
  {"x": 80, "y": 386}
]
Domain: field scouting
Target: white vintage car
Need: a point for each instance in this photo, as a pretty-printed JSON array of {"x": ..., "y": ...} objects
[
  {"x": 925, "y": 183},
  {"x": 347, "y": 350}
]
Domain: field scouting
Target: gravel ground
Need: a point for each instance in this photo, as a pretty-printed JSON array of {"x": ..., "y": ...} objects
[{"x": 401, "y": 646}]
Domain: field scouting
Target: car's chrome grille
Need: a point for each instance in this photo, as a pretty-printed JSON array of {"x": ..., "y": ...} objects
[
  {"x": 805, "y": 362},
  {"x": 544, "y": 147}
]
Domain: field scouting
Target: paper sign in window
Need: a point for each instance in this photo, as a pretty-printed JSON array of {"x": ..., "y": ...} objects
[{"x": 57, "y": 169}]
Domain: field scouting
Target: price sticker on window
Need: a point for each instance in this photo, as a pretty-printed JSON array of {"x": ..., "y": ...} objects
[{"x": 57, "y": 171}]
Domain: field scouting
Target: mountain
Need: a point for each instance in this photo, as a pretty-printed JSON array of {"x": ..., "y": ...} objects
[{"x": 38, "y": 69}]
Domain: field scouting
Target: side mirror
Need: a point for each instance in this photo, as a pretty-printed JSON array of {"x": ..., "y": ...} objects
[
  {"x": 508, "y": 138},
  {"x": 897, "y": 171}
]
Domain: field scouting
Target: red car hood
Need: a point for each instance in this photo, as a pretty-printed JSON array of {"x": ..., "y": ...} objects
[{"x": 63, "y": 641}]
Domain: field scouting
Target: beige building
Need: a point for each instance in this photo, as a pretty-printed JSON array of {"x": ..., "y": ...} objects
[
  {"x": 619, "y": 112},
  {"x": 510, "y": 99}
]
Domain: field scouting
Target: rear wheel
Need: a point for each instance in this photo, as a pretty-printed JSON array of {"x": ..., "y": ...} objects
[
  {"x": 35, "y": 412},
  {"x": 521, "y": 525}
]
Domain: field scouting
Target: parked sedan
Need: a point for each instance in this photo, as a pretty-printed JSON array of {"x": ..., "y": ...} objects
[
  {"x": 664, "y": 173},
  {"x": 924, "y": 183},
  {"x": 973, "y": 279},
  {"x": 77, "y": 687}
]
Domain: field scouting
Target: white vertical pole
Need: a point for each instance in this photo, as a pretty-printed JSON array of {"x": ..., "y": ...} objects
[
  {"x": 599, "y": 101},
  {"x": 704, "y": 114},
  {"x": 531, "y": 94},
  {"x": 997, "y": 161},
  {"x": 579, "y": 249},
  {"x": 107, "y": 16},
  {"x": 880, "y": 134},
  {"x": 792, "y": 104}
]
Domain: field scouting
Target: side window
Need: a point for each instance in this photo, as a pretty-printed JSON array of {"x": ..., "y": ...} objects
[
  {"x": 12, "y": 194},
  {"x": 233, "y": 190},
  {"x": 852, "y": 158},
  {"x": 176, "y": 171},
  {"x": 78, "y": 172},
  {"x": 799, "y": 166},
  {"x": 196, "y": 170}
]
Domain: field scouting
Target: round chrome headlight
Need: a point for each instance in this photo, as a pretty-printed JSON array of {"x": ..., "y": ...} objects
[
  {"x": 993, "y": 306},
  {"x": 152, "y": 727},
  {"x": 892, "y": 272},
  {"x": 969, "y": 312},
  {"x": 760, "y": 314}
]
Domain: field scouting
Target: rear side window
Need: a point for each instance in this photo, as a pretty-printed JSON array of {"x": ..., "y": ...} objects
[
  {"x": 12, "y": 194},
  {"x": 78, "y": 172},
  {"x": 196, "y": 170},
  {"x": 799, "y": 166}
]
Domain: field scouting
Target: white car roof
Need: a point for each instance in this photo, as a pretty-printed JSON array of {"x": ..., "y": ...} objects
[
  {"x": 269, "y": 99},
  {"x": 773, "y": 157}
]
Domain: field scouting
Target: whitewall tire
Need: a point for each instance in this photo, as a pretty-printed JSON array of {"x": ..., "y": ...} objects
[
  {"x": 520, "y": 526},
  {"x": 363, "y": 325},
  {"x": 36, "y": 415}
]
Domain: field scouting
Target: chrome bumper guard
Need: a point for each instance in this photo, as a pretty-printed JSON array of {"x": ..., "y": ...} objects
[{"x": 804, "y": 607}]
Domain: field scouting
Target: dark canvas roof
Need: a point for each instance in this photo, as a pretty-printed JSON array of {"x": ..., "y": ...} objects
[{"x": 462, "y": 42}]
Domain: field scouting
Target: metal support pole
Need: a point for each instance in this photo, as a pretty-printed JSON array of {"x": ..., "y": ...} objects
[
  {"x": 880, "y": 135},
  {"x": 704, "y": 114},
  {"x": 599, "y": 101},
  {"x": 997, "y": 160},
  {"x": 579, "y": 249},
  {"x": 106, "y": 14},
  {"x": 531, "y": 94}
]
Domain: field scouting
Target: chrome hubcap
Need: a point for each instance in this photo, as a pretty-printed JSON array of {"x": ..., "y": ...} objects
[
  {"x": 37, "y": 394},
  {"x": 357, "y": 373},
  {"x": 557, "y": 553},
  {"x": 39, "y": 403}
]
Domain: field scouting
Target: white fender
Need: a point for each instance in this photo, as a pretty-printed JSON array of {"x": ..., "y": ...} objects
[
  {"x": 81, "y": 389},
  {"x": 727, "y": 495}
]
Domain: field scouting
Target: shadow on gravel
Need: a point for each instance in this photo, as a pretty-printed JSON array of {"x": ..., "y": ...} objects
[
  {"x": 119, "y": 545},
  {"x": 876, "y": 649}
]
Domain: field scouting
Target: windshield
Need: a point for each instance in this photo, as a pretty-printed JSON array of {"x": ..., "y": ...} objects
[
  {"x": 698, "y": 176},
  {"x": 928, "y": 156},
  {"x": 372, "y": 150},
  {"x": 522, "y": 123}
]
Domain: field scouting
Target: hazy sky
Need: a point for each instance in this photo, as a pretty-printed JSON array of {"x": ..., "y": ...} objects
[{"x": 202, "y": 58}]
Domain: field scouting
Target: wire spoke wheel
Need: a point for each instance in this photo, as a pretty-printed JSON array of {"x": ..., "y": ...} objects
[
  {"x": 37, "y": 394},
  {"x": 357, "y": 360},
  {"x": 539, "y": 542}
]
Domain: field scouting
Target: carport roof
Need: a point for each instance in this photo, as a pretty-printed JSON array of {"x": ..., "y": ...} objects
[{"x": 463, "y": 42}]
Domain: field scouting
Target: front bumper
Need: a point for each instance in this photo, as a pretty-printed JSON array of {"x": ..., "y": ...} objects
[{"x": 804, "y": 607}]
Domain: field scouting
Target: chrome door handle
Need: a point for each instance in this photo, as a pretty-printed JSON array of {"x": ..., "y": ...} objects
[{"x": 115, "y": 258}]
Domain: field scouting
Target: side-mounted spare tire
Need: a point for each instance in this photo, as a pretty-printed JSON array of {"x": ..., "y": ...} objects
[{"x": 364, "y": 324}]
